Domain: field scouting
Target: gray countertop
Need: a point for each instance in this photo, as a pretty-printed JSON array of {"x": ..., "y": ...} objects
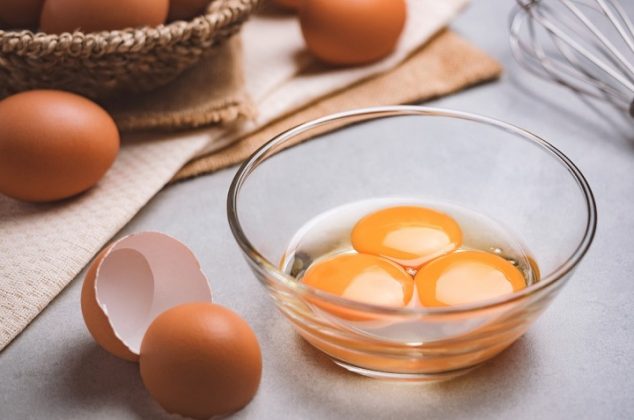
[{"x": 575, "y": 362}]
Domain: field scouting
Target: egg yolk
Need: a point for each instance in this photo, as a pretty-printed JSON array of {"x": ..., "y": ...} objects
[
  {"x": 466, "y": 277},
  {"x": 407, "y": 235},
  {"x": 363, "y": 278}
]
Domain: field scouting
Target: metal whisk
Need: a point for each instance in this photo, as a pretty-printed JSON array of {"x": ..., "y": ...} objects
[{"x": 587, "y": 46}]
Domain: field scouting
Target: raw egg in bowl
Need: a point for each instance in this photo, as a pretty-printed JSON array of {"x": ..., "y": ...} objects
[{"x": 411, "y": 243}]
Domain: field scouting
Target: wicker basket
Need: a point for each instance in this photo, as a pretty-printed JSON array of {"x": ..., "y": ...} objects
[{"x": 103, "y": 64}]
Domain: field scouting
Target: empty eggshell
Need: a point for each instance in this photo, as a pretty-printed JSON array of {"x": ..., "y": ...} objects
[{"x": 131, "y": 282}]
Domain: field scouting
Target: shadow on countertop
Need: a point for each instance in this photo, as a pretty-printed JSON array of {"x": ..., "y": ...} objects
[
  {"x": 94, "y": 379},
  {"x": 329, "y": 391}
]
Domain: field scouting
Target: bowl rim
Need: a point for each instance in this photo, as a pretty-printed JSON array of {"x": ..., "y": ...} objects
[{"x": 271, "y": 271}]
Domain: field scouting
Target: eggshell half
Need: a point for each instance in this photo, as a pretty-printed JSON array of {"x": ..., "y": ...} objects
[{"x": 131, "y": 282}]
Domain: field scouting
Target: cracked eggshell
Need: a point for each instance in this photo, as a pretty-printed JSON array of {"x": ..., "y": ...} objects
[{"x": 131, "y": 282}]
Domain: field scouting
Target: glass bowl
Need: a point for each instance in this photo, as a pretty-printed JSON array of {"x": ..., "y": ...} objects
[{"x": 478, "y": 163}]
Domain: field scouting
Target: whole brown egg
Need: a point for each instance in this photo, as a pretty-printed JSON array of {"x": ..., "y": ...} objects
[
  {"x": 60, "y": 16},
  {"x": 186, "y": 9},
  {"x": 53, "y": 145},
  {"x": 352, "y": 31},
  {"x": 200, "y": 360},
  {"x": 20, "y": 14}
]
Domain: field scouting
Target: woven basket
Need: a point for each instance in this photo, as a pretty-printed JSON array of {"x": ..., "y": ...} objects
[{"x": 102, "y": 64}]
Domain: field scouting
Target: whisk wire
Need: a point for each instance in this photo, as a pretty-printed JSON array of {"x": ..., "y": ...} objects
[
  {"x": 591, "y": 64},
  {"x": 600, "y": 36},
  {"x": 543, "y": 69},
  {"x": 576, "y": 70},
  {"x": 587, "y": 54},
  {"x": 628, "y": 38}
]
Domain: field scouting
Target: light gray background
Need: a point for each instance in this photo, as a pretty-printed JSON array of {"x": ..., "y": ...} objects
[{"x": 575, "y": 362}]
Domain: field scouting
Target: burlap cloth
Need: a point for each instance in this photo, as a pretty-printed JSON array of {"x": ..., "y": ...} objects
[
  {"x": 210, "y": 93},
  {"x": 43, "y": 247}
]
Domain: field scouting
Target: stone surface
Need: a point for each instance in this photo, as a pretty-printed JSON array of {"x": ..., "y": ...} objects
[{"x": 575, "y": 362}]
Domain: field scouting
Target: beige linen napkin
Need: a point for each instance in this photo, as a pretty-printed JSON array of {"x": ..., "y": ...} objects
[{"x": 43, "y": 247}]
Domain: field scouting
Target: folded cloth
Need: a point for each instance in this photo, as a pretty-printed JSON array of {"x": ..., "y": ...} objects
[
  {"x": 211, "y": 92},
  {"x": 43, "y": 247},
  {"x": 446, "y": 64}
]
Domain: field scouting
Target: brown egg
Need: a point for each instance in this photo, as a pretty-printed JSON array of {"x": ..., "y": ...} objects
[
  {"x": 200, "y": 360},
  {"x": 20, "y": 14},
  {"x": 352, "y": 32},
  {"x": 288, "y": 4},
  {"x": 60, "y": 16},
  {"x": 186, "y": 9},
  {"x": 131, "y": 281},
  {"x": 53, "y": 145}
]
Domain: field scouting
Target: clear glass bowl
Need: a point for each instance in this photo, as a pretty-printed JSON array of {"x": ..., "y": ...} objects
[{"x": 479, "y": 163}]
